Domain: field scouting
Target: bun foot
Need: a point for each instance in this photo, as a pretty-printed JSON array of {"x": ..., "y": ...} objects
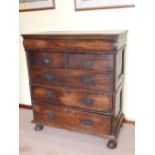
[
  {"x": 112, "y": 144},
  {"x": 38, "y": 127}
]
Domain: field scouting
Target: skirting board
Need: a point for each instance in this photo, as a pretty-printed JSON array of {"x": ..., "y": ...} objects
[{"x": 25, "y": 106}]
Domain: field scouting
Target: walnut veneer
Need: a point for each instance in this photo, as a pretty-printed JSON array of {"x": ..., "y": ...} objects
[{"x": 76, "y": 81}]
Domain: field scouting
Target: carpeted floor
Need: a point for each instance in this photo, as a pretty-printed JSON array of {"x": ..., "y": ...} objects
[{"x": 52, "y": 141}]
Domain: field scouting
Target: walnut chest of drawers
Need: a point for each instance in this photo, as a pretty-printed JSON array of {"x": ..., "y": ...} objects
[{"x": 76, "y": 81}]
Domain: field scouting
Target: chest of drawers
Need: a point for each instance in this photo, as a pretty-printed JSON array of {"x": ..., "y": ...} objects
[{"x": 76, "y": 81}]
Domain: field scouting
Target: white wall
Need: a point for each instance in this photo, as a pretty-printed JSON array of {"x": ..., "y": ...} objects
[{"x": 65, "y": 18}]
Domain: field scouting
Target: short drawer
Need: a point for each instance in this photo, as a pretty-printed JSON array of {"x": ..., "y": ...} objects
[
  {"x": 90, "y": 80},
  {"x": 92, "y": 62},
  {"x": 46, "y": 59},
  {"x": 48, "y": 76},
  {"x": 52, "y": 95},
  {"x": 72, "y": 98},
  {"x": 72, "y": 119},
  {"x": 90, "y": 101}
]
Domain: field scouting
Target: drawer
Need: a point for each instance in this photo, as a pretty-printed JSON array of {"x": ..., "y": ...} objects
[
  {"x": 90, "y": 80},
  {"x": 70, "y": 44},
  {"x": 51, "y": 96},
  {"x": 94, "y": 62},
  {"x": 72, "y": 119},
  {"x": 90, "y": 101},
  {"x": 45, "y": 59},
  {"x": 73, "y": 98},
  {"x": 48, "y": 76}
]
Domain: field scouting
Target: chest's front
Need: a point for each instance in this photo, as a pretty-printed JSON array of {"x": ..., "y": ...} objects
[{"x": 76, "y": 82}]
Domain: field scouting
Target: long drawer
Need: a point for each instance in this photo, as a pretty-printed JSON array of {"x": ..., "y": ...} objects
[
  {"x": 72, "y": 78},
  {"x": 83, "y": 61},
  {"x": 70, "y": 44},
  {"x": 72, "y": 98},
  {"x": 72, "y": 119}
]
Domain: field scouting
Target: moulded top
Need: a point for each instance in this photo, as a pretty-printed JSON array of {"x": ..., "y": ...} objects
[{"x": 113, "y": 33}]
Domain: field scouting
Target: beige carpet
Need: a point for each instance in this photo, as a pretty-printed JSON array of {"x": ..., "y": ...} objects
[{"x": 52, "y": 141}]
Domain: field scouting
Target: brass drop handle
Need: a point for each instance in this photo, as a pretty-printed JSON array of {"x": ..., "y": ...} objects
[
  {"x": 89, "y": 80},
  {"x": 46, "y": 61},
  {"x": 51, "y": 115},
  {"x": 89, "y": 63},
  {"x": 51, "y": 95},
  {"x": 88, "y": 101},
  {"x": 87, "y": 122},
  {"x": 49, "y": 77}
]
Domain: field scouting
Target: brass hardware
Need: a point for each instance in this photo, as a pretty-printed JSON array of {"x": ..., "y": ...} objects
[
  {"x": 46, "y": 61},
  {"x": 87, "y": 122},
  {"x": 89, "y": 63},
  {"x": 49, "y": 77},
  {"x": 89, "y": 80},
  {"x": 51, "y": 95},
  {"x": 88, "y": 101},
  {"x": 51, "y": 115}
]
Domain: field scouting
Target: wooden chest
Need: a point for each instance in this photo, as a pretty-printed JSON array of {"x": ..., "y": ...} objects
[{"x": 76, "y": 81}]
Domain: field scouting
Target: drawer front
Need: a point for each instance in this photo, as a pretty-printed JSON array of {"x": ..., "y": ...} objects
[
  {"x": 70, "y": 44},
  {"x": 89, "y": 101},
  {"x": 56, "y": 60},
  {"x": 92, "y": 62},
  {"x": 48, "y": 76},
  {"x": 72, "y": 119},
  {"x": 51, "y": 96},
  {"x": 90, "y": 80},
  {"x": 73, "y": 98}
]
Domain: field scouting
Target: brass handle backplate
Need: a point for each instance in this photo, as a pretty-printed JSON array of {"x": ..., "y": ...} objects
[
  {"x": 51, "y": 95},
  {"x": 87, "y": 122},
  {"x": 46, "y": 61},
  {"x": 88, "y": 63},
  {"x": 51, "y": 116},
  {"x": 49, "y": 77},
  {"x": 89, "y": 80},
  {"x": 88, "y": 101}
]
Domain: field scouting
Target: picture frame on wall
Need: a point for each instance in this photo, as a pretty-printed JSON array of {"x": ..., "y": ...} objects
[
  {"x": 102, "y": 4},
  {"x": 33, "y": 5}
]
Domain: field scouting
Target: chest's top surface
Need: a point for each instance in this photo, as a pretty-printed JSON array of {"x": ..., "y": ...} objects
[{"x": 114, "y": 33}]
